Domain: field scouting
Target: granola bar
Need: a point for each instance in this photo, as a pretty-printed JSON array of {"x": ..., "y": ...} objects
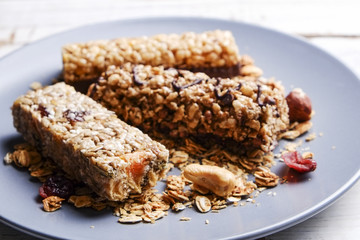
[
  {"x": 248, "y": 113},
  {"x": 89, "y": 142},
  {"x": 214, "y": 52}
]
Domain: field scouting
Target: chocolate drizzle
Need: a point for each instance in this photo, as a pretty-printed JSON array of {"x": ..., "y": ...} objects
[
  {"x": 226, "y": 99},
  {"x": 179, "y": 88}
]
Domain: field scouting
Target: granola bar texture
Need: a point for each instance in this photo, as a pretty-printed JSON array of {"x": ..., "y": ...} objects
[
  {"x": 214, "y": 52},
  {"x": 89, "y": 142},
  {"x": 248, "y": 112}
]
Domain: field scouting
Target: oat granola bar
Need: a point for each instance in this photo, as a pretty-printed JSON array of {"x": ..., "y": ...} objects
[
  {"x": 247, "y": 113},
  {"x": 214, "y": 52},
  {"x": 89, "y": 142}
]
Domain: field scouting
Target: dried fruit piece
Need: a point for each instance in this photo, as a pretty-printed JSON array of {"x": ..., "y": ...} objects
[
  {"x": 218, "y": 180},
  {"x": 295, "y": 161},
  {"x": 57, "y": 186}
]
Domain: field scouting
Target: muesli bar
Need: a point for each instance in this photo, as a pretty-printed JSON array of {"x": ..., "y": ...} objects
[
  {"x": 248, "y": 113},
  {"x": 89, "y": 142},
  {"x": 213, "y": 52}
]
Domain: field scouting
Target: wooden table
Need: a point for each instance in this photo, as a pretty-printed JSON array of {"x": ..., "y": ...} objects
[{"x": 331, "y": 25}]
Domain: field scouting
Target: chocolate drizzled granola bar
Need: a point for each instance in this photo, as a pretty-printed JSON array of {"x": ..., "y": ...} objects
[
  {"x": 249, "y": 112},
  {"x": 89, "y": 142},
  {"x": 213, "y": 52}
]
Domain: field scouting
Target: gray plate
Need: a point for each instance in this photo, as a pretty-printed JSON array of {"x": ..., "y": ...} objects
[{"x": 333, "y": 88}]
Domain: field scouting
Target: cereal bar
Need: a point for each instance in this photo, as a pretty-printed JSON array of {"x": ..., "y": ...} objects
[
  {"x": 247, "y": 113},
  {"x": 214, "y": 52},
  {"x": 89, "y": 142}
]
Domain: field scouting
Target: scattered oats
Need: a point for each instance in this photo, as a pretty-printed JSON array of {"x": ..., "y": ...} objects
[
  {"x": 260, "y": 189},
  {"x": 178, "y": 207},
  {"x": 207, "y": 221},
  {"x": 242, "y": 203},
  {"x": 249, "y": 199},
  {"x": 52, "y": 203},
  {"x": 203, "y": 204},
  {"x": 311, "y": 137},
  {"x": 269, "y": 193},
  {"x": 236, "y": 204},
  {"x": 130, "y": 219},
  {"x": 8, "y": 158},
  {"x": 179, "y": 157},
  {"x": 185, "y": 219}
]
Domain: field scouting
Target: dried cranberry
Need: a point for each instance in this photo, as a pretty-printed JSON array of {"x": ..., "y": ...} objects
[
  {"x": 43, "y": 111},
  {"x": 295, "y": 161},
  {"x": 57, "y": 186}
]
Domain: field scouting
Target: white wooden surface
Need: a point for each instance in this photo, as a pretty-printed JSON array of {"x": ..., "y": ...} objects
[{"x": 331, "y": 25}]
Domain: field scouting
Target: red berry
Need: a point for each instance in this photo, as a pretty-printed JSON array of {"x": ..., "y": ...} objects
[
  {"x": 56, "y": 186},
  {"x": 295, "y": 161}
]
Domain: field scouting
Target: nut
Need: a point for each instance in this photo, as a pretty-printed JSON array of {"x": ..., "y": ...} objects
[
  {"x": 299, "y": 105},
  {"x": 218, "y": 180}
]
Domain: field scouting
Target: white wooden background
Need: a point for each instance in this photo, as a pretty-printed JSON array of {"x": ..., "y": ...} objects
[{"x": 333, "y": 25}]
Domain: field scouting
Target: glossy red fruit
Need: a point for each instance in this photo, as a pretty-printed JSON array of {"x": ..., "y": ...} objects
[
  {"x": 295, "y": 161},
  {"x": 56, "y": 186}
]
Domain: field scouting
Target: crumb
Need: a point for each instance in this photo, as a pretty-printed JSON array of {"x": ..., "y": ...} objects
[
  {"x": 185, "y": 219},
  {"x": 311, "y": 137},
  {"x": 321, "y": 134},
  {"x": 274, "y": 194},
  {"x": 333, "y": 147},
  {"x": 92, "y": 226},
  {"x": 207, "y": 221},
  {"x": 35, "y": 85}
]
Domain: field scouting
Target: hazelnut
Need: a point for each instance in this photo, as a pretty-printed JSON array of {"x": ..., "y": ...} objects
[{"x": 299, "y": 106}]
